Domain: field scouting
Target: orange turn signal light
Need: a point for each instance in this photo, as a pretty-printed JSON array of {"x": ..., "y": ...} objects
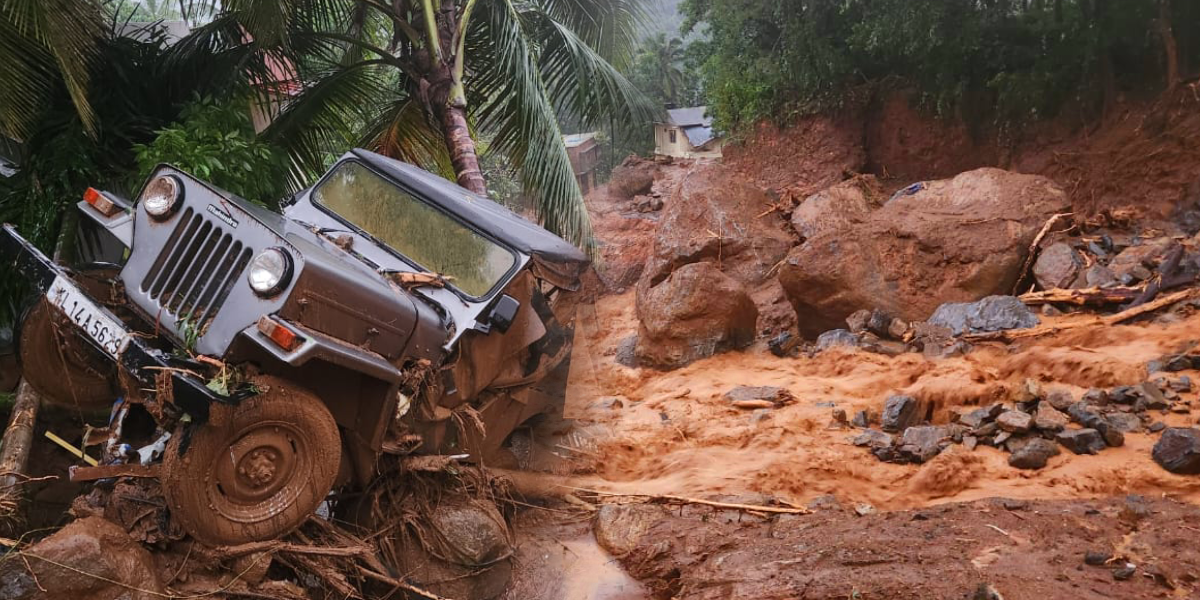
[
  {"x": 100, "y": 202},
  {"x": 278, "y": 334}
]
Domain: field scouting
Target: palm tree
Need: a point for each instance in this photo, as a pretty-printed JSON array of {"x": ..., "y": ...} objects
[{"x": 414, "y": 79}]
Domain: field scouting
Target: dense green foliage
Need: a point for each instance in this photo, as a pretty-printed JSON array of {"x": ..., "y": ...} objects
[
  {"x": 979, "y": 59},
  {"x": 215, "y": 141}
]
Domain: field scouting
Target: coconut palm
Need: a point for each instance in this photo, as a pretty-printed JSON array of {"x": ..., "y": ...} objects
[{"x": 415, "y": 79}]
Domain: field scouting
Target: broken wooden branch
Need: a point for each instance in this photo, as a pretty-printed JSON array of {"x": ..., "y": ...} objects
[
  {"x": 713, "y": 503},
  {"x": 1033, "y": 250},
  {"x": 14, "y": 454},
  {"x": 1168, "y": 269},
  {"x": 1081, "y": 297}
]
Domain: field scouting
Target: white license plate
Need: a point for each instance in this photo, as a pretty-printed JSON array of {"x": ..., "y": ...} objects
[{"x": 104, "y": 330}]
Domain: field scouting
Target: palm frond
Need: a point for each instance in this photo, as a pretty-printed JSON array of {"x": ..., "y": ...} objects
[
  {"x": 610, "y": 27},
  {"x": 322, "y": 119},
  {"x": 518, "y": 113},
  {"x": 578, "y": 77},
  {"x": 44, "y": 43}
]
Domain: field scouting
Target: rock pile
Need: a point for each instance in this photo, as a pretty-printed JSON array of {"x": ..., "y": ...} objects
[
  {"x": 878, "y": 331},
  {"x": 1034, "y": 423}
]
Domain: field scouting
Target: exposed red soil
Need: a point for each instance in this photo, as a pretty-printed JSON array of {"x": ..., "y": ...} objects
[
  {"x": 1142, "y": 155},
  {"x": 1022, "y": 550}
]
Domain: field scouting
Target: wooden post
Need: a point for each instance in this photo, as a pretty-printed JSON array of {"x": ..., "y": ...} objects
[{"x": 14, "y": 449}]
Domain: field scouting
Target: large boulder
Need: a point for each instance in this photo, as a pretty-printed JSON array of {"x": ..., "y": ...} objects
[
  {"x": 716, "y": 216},
  {"x": 90, "y": 558},
  {"x": 845, "y": 204},
  {"x": 1178, "y": 450},
  {"x": 954, "y": 240},
  {"x": 694, "y": 313}
]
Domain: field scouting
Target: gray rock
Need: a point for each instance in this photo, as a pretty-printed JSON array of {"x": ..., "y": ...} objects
[
  {"x": 1178, "y": 450},
  {"x": 976, "y": 418},
  {"x": 1094, "y": 396},
  {"x": 923, "y": 442},
  {"x": 1125, "y": 422},
  {"x": 627, "y": 352},
  {"x": 1156, "y": 427},
  {"x": 1014, "y": 421},
  {"x": 1061, "y": 399},
  {"x": 1151, "y": 398},
  {"x": 874, "y": 438},
  {"x": 1099, "y": 276},
  {"x": 1096, "y": 558},
  {"x": 862, "y": 418},
  {"x": 837, "y": 337},
  {"x": 994, "y": 313},
  {"x": 970, "y": 441},
  {"x": 1049, "y": 418},
  {"x": 1033, "y": 454},
  {"x": 1057, "y": 266},
  {"x": 857, "y": 321},
  {"x": 770, "y": 393},
  {"x": 620, "y": 527},
  {"x": 1081, "y": 441},
  {"x": 900, "y": 413},
  {"x": 1124, "y": 572}
]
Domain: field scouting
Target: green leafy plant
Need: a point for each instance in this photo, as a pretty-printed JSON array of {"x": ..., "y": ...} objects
[{"x": 215, "y": 140}]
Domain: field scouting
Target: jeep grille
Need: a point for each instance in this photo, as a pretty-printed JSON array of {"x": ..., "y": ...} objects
[{"x": 195, "y": 271}]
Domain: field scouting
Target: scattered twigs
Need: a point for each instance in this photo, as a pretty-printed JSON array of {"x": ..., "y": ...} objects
[
  {"x": 713, "y": 503},
  {"x": 1148, "y": 307},
  {"x": 1033, "y": 249}
]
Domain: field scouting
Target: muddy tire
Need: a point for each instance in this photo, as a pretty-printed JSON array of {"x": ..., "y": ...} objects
[
  {"x": 62, "y": 366},
  {"x": 256, "y": 472}
]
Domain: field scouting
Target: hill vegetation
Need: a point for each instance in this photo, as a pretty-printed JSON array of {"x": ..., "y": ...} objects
[{"x": 981, "y": 60}]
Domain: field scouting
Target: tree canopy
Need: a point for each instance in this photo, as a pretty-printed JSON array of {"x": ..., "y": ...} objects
[{"x": 1001, "y": 59}]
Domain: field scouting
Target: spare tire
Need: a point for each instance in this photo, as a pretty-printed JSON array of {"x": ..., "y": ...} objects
[{"x": 60, "y": 364}]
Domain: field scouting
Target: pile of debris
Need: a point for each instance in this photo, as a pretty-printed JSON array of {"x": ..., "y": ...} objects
[
  {"x": 878, "y": 331},
  {"x": 1108, "y": 268},
  {"x": 1030, "y": 426}
]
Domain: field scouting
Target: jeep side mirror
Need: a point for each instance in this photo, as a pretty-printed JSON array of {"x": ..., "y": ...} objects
[{"x": 503, "y": 313}]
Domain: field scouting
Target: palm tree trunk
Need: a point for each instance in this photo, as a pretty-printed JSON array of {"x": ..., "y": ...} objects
[{"x": 462, "y": 149}]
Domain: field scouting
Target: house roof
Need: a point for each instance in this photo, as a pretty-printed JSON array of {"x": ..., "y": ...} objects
[
  {"x": 577, "y": 139},
  {"x": 684, "y": 117},
  {"x": 694, "y": 122}
]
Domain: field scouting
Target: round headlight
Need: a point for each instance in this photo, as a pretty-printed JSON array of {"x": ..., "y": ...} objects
[
  {"x": 270, "y": 272},
  {"x": 162, "y": 196}
]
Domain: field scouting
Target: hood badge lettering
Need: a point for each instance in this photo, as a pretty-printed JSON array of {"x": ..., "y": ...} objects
[{"x": 222, "y": 215}]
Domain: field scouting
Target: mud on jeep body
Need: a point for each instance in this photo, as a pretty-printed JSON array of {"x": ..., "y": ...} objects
[{"x": 279, "y": 355}]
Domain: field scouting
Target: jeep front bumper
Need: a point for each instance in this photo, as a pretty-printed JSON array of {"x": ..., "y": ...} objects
[{"x": 103, "y": 330}]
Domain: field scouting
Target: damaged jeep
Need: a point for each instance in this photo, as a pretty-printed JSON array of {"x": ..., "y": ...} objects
[{"x": 256, "y": 361}]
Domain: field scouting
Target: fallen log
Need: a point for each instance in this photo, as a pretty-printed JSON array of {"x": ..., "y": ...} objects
[
  {"x": 14, "y": 454},
  {"x": 1081, "y": 297}
]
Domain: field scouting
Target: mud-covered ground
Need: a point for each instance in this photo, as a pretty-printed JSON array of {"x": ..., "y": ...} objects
[{"x": 877, "y": 530}]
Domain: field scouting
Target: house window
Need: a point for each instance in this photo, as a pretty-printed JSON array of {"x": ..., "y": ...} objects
[{"x": 672, "y": 136}]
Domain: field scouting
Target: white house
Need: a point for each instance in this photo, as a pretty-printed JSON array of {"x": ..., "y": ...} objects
[{"x": 687, "y": 133}]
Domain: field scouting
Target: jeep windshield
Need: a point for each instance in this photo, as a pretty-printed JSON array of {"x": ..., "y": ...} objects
[{"x": 430, "y": 239}]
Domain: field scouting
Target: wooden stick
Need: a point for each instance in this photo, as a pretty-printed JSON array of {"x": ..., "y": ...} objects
[
  {"x": 225, "y": 552},
  {"x": 686, "y": 500},
  {"x": 408, "y": 587},
  {"x": 1080, "y": 297},
  {"x": 1033, "y": 249},
  {"x": 1137, "y": 311}
]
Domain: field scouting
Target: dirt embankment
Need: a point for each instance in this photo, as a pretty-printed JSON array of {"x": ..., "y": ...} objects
[{"x": 1142, "y": 155}]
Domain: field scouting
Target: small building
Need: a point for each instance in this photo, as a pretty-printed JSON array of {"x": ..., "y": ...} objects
[
  {"x": 687, "y": 133},
  {"x": 584, "y": 152}
]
